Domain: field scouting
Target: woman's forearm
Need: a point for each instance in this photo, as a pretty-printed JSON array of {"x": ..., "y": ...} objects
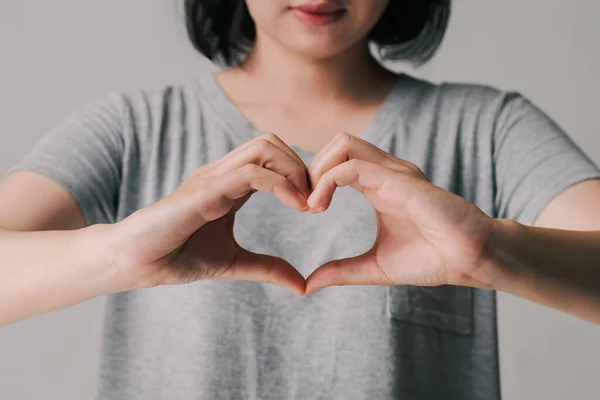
[
  {"x": 46, "y": 271},
  {"x": 555, "y": 268}
]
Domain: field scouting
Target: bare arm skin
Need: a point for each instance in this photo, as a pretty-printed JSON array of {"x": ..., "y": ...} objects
[
  {"x": 428, "y": 236},
  {"x": 49, "y": 260},
  {"x": 557, "y": 262},
  {"x": 44, "y": 257}
]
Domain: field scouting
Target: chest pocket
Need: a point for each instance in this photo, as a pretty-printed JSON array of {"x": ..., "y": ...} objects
[{"x": 448, "y": 308}]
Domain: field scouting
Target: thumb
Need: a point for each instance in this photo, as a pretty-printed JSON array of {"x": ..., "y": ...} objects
[
  {"x": 360, "y": 270},
  {"x": 256, "y": 267}
]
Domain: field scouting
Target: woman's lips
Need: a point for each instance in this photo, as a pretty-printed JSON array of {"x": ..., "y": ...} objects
[{"x": 319, "y": 14}]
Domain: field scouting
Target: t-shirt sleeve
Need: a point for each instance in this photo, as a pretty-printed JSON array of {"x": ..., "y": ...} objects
[
  {"x": 534, "y": 160},
  {"x": 84, "y": 153}
]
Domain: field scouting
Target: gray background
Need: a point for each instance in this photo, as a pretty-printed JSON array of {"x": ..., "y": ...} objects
[{"x": 55, "y": 56}]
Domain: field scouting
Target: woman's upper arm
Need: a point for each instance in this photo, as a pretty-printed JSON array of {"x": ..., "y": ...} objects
[
  {"x": 577, "y": 208},
  {"x": 540, "y": 172},
  {"x": 72, "y": 177},
  {"x": 30, "y": 201}
]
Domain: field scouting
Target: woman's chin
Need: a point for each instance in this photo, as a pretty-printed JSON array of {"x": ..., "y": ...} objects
[{"x": 317, "y": 51}]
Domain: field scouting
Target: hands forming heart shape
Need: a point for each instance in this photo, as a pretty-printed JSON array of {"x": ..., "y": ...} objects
[{"x": 426, "y": 235}]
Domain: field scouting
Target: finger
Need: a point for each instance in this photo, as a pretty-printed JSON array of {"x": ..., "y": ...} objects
[
  {"x": 361, "y": 270},
  {"x": 271, "y": 137},
  {"x": 238, "y": 183},
  {"x": 346, "y": 147},
  {"x": 263, "y": 268},
  {"x": 361, "y": 175},
  {"x": 283, "y": 146},
  {"x": 266, "y": 154}
]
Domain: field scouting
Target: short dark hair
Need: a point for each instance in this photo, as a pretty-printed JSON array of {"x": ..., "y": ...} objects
[{"x": 409, "y": 30}]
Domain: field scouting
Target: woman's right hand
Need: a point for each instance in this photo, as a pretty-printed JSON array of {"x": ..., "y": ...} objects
[{"x": 188, "y": 235}]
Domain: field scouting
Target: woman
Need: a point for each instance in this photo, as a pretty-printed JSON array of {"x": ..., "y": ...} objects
[{"x": 140, "y": 192}]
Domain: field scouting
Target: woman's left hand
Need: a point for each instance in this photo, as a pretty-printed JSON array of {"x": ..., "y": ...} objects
[{"x": 426, "y": 236}]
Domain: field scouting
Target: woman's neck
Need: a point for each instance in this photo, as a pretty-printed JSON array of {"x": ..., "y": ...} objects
[{"x": 352, "y": 75}]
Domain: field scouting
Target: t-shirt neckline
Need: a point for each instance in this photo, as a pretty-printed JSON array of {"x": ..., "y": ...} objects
[{"x": 240, "y": 126}]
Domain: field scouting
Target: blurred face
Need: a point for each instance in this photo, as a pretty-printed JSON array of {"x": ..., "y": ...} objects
[{"x": 316, "y": 28}]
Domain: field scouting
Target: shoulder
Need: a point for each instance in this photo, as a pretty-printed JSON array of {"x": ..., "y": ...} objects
[
  {"x": 146, "y": 110},
  {"x": 465, "y": 96},
  {"x": 168, "y": 99},
  {"x": 464, "y": 102}
]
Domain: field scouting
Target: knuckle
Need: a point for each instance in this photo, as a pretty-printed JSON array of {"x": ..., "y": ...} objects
[
  {"x": 327, "y": 176},
  {"x": 262, "y": 145},
  {"x": 270, "y": 136},
  {"x": 345, "y": 138},
  {"x": 249, "y": 170},
  {"x": 414, "y": 169}
]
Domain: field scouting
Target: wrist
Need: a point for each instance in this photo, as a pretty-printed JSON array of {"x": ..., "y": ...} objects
[
  {"x": 499, "y": 264},
  {"x": 98, "y": 263}
]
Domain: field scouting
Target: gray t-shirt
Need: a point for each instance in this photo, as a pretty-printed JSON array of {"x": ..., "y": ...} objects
[{"x": 243, "y": 340}]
